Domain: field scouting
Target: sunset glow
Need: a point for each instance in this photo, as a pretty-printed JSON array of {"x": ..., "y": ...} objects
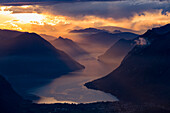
[
  {"x": 29, "y": 18},
  {"x": 84, "y": 56}
]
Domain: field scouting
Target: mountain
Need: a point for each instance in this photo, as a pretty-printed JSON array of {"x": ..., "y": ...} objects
[
  {"x": 102, "y": 37},
  {"x": 29, "y": 54},
  {"x": 117, "y": 52},
  {"x": 162, "y": 30},
  {"x": 72, "y": 48},
  {"x": 68, "y": 46},
  {"x": 144, "y": 74},
  {"x": 98, "y": 40},
  {"x": 48, "y": 37},
  {"x": 87, "y": 30},
  {"x": 10, "y": 101},
  {"x": 106, "y": 39},
  {"x": 7, "y": 34},
  {"x": 115, "y": 28}
]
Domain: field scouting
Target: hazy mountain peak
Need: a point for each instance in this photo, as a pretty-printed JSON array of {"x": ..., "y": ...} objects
[
  {"x": 117, "y": 31},
  {"x": 87, "y": 30},
  {"x": 68, "y": 46},
  {"x": 60, "y": 37},
  {"x": 117, "y": 51}
]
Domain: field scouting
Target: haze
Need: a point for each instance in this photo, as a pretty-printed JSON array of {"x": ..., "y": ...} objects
[{"x": 58, "y": 19}]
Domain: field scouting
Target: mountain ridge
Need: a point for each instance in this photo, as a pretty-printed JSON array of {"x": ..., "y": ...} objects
[
  {"x": 69, "y": 46},
  {"x": 143, "y": 75},
  {"x": 117, "y": 51},
  {"x": 30, "y": 48}
]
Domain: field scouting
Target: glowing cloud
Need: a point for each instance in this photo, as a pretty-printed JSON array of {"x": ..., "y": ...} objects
[{"x": 40, "y": 19}]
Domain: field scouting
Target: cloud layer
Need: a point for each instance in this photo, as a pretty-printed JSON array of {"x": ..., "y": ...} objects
[{"x": 59, "y": 18}]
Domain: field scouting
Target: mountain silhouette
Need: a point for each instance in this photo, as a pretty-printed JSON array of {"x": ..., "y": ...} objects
[
  {"x": 10, "y": 101},
  {"x": 48, "y": 37},
  {"x": 68, "y": 46},
  {"x": 107, "y": 39},
  {"x": 117, "y": 52},
  {"x": 87, "y": 30},
  {"x": 144, "y": 74},
  {"x": 112, "y": 29},
  {"x": 29, "y": 54}
]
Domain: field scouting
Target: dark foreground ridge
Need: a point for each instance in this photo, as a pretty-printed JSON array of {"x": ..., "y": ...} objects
[{"x": 144, "y": 74}]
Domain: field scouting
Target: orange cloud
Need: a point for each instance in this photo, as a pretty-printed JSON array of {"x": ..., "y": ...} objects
[{"x": 60, "y": 25}]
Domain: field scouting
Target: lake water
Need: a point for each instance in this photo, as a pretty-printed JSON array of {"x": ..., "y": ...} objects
[{"x": 70, "y": 87}]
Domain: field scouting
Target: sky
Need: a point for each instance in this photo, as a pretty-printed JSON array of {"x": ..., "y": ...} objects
[
  {"x": 59, "y": 18},
  {"x": 5, "y": 1}
]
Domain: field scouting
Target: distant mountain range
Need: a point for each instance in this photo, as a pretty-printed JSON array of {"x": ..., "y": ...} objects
[
  {"x": 87, "y": 30},
  {"x": 112, "y": 29},
  {"x": 29, "y": 54},
  {"x": 108, "y": 39},
  {"x": 144, "y": 74},
  {"x": 103, "y": 37},
  {"x": 117, "y": 52}
]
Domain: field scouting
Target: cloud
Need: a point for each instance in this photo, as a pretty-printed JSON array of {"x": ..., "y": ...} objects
[
  {"x": 142, "y": 41},
  {"x": 59, "y": 19},
  {"x": 116, "y": 10}
]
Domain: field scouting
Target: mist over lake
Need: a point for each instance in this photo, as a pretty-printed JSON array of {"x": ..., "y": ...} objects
[{"x": 84, "y": 56}]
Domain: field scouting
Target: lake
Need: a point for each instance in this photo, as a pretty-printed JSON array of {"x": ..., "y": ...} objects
[{"x": 70, "y": 87}]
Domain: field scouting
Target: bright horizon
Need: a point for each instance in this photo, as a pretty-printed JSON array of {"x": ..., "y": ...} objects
[{"x": 56, "y": 20}]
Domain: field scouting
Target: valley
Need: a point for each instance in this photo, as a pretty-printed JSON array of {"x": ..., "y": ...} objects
[{"x": 84, "y": 56}]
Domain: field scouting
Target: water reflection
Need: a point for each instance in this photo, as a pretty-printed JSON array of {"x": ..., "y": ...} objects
[
  {"x": 70, "y": 88},
  {"x": 51, "y": 100}
]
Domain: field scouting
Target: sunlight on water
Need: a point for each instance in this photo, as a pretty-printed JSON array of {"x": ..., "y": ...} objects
[
  {"x": 70, "y": 88},
  {"x": 51, "y": 100}
]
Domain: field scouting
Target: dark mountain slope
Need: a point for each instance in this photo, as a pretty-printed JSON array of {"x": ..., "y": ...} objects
[
  {"x": 68, "y": 46},
  {"x": 29, "y": 54},
  {"x": 10, "y": 101},
  {"x": 48, "y": 37},
  {"x": 117, "y": 52},
  {"x": 7, "y": 34},
  {"x": 144, "y": 74}
]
